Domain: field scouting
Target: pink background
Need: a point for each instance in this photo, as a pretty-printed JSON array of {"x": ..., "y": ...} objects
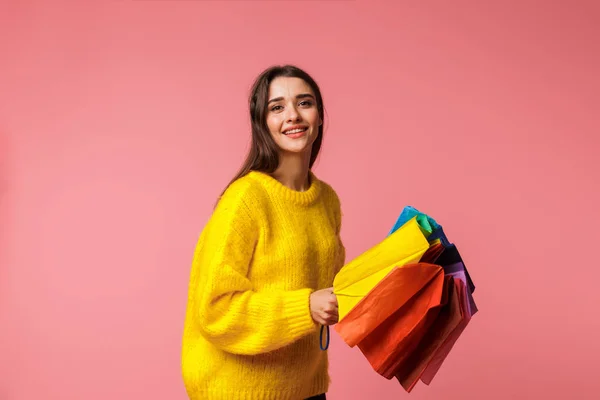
[{"x": 120, "y": 122}]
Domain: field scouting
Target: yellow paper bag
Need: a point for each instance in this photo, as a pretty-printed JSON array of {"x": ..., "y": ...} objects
[{"x": 358, "y": 277}]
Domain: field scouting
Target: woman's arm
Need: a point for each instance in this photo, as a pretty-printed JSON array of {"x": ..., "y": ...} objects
[
  {"x": 337, "y": 207},
  {"x": 230, "y": 314}
]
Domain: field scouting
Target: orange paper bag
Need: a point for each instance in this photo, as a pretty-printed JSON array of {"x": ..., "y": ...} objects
[
  {"x": 397, "y": 336},
  {"x": 392, "y": 293}
]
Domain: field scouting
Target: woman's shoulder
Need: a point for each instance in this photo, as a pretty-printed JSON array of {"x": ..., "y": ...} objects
[
  {"x": 332, "y": 202},
  {"x": 328, "y": 190},
  {"x": 243, "y": 190}
]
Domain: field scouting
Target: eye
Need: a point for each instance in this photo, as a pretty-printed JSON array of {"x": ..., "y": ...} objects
[
  {"x": 276, "y": 108},
  {"x": 306, "y": 103}
]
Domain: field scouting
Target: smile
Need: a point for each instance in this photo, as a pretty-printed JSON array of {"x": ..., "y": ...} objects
[{"x": 295, "y": 130}]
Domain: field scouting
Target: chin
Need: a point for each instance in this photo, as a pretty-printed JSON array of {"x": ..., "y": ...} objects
[
  {"x": 295, "y": 150},
  {"x": 296, "y": 146}
]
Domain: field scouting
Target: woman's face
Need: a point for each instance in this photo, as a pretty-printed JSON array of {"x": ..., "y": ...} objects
[{"x": 292, "y": 115}]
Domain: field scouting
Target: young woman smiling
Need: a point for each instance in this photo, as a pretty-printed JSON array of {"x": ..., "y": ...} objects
[{"x": 262, "y": 271}]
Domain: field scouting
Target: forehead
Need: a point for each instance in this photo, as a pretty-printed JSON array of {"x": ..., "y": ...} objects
[{"x": 288, "y": 87}]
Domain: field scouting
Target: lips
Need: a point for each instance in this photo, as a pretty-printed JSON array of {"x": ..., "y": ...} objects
[{"x": 294, "y": 130}]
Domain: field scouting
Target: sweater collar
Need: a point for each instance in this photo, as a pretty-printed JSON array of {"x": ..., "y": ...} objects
[{"x": 278, "y": 189}]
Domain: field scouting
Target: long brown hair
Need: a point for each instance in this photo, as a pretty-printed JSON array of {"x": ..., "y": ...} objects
[{"x": 263, "y": 155}]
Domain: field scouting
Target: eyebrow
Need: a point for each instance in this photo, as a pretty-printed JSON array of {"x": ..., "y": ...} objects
[{"x": 300, "y": 96}]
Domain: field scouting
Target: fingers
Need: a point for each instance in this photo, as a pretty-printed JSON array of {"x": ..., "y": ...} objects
[
  {"x": 324, "y": 307},
  {"x": 330, "y": 316},
  {"x": 327, "y": 321},
  {"x": 331, "y": 309},
  {"x": 324, "y": 320},
  {"x": 327, "y": 317}
]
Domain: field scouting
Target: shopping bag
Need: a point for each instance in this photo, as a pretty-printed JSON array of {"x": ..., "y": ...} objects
[
  {"x": 442, "y": 352},
  {"x": 434, "y": 342},
  {"x": 394, "y": 338},
  {"x": 451, "y": 261},
  {"x": 358, "y": 277},
  {"x": 391, "y": 294},
  {"x": 435, "y": 250},
  {"x": 405, "y": 302},
  {"x": 434, "y": 232},
  {"x": 427, "y": 224},
  {"x": 451, "y": 254}
]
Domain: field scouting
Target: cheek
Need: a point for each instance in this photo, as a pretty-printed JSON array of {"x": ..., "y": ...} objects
[
  {"x": 273, "y": 124},
  {"x": 312, "y": 117}
]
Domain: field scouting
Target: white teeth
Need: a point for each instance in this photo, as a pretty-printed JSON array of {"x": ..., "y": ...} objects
[{"x": 294, "y": 131}]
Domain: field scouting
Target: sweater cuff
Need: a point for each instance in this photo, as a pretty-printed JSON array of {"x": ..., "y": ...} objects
[{"x": 297, "y": 311}]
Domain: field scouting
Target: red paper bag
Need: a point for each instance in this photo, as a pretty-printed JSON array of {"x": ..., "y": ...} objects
[
  {"x": 444, "y": 350},
  {"x": 392, "y": 293},
  {"x": 398, "y": 335},
  {"x": 447, "y": 321}
]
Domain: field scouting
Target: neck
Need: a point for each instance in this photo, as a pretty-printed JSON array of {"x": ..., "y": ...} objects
[{"x": 293, "y": 171}]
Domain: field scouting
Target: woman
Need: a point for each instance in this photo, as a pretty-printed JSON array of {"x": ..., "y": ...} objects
[{"x": 260, "y": 284}]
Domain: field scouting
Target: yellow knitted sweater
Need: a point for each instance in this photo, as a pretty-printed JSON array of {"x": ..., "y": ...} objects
[{"x": 248, "y": 332}]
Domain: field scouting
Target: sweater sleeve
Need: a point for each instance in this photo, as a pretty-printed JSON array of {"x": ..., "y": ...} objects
[
  {"x": 341, "y": 256},
  {"x": 230, "y": 313}
]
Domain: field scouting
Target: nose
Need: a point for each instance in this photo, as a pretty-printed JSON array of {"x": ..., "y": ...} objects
[{"x": 293, "y": 114}]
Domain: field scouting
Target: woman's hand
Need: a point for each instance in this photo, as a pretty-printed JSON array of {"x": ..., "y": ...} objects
[{"x": 324, "y": 307}]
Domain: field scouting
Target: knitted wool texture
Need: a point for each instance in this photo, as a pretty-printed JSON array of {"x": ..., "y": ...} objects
[{"x": 248, "y": 330}]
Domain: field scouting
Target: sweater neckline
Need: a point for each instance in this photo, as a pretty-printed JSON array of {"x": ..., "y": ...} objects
[{"x": 305, "y": 197}]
